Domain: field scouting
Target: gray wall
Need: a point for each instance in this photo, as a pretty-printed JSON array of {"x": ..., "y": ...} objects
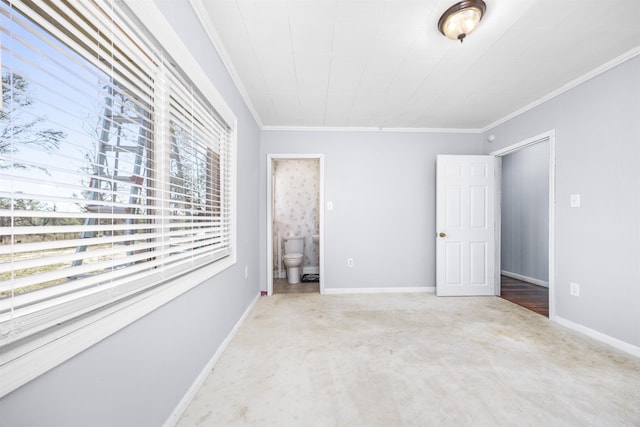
[
  {"x": 382, "y": 185},
  {"x": 597, "y": 155},
  {"x": 137, "y": 376},
  {"x": 525, "y": 212}
]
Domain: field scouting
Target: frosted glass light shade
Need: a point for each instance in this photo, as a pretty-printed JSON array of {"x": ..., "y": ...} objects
[{"x": 461, "y": 19}]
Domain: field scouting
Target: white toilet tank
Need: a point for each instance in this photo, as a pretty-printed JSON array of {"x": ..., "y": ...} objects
[{"x": 294, "y": 245}]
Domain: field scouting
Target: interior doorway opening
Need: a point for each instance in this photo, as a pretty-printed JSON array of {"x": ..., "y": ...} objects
[
  {"x": 295, "y": 216},
  {"x": 525, "y": 232}
]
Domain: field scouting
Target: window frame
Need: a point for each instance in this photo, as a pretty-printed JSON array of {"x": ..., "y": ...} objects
[{"x": 35, "y": 356}]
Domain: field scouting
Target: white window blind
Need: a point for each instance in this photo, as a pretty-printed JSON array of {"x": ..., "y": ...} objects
[
  {"x": 198, "y": 211},
  {"x": 114, "y": 168}
]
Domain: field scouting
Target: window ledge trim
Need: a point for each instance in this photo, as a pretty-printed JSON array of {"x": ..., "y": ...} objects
[{"x": 64, "y": 343}]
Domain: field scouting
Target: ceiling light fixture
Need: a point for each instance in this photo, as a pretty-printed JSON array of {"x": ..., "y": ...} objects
[{"x": 461, "y": 19}]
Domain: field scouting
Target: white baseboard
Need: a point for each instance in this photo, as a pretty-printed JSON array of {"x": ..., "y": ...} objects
[
  {"x": 525, "y": 278},
  {"x": 200, "y": 379},
  {"x": 335, "y": 291},
  {"x": 614, "y": 342}
]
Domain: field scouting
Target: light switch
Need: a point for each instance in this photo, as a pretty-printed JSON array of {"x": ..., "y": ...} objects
[
  {"x": 574, "y": 200},
  {"x": 329, "y": 206}
]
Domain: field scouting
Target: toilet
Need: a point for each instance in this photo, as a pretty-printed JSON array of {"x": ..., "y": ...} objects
[{"x": 293, "y": 256}]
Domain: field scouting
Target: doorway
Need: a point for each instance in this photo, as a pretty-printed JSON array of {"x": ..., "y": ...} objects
[
  {"x": 524, "y": 239},
  {"x": 301, "y": 176}
]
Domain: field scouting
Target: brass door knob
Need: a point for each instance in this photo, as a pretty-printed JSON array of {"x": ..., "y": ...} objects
[{"x": 443, "y": 234}]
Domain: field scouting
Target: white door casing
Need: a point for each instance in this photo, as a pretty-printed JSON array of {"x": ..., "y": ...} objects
[
  {"x": 269, "y": 237},
  {"x": 550, "y": 137},
  {"x": 465, "y": 225}
]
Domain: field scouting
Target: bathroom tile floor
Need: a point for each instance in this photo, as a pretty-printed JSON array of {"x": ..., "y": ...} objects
[{"x": 281, "y": 286}]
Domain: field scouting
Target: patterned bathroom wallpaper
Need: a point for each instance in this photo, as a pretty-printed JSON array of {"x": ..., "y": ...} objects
[{"x": 296, "y": 190}]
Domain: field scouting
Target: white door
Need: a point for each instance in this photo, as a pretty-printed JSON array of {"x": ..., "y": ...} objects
[{"x": 465, "y": 241}]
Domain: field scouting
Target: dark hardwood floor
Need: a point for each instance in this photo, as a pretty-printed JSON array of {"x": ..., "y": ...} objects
[{"x": 533, "y": 297}]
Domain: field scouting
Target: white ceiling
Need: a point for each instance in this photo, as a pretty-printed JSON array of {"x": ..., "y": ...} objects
[{"x": 371, "y": 63}]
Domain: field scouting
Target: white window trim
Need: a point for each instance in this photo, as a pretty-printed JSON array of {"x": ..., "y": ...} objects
[{"x": 81, "y": 334}]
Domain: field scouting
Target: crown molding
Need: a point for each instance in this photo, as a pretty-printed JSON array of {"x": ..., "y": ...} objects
[
  {"x": 209, "y": 28},
  {"x": 365, "y": 129},
  {"x": 202, "y": 15},
  {"x": 573, "y": 83}
]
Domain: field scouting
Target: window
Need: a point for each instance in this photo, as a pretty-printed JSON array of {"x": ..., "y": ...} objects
[{"x": 116, "y": 171}]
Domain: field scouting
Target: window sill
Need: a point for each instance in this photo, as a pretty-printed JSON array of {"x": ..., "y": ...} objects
[{"x": 54, "y": 348}]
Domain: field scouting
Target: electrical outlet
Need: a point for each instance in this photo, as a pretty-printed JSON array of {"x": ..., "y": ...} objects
[
  {"x": 574, "y": 289},
  {"x": 349, "y": 262}
]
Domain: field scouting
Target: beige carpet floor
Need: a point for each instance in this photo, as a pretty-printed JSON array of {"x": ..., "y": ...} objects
[{"x": 413, "y": 360}]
